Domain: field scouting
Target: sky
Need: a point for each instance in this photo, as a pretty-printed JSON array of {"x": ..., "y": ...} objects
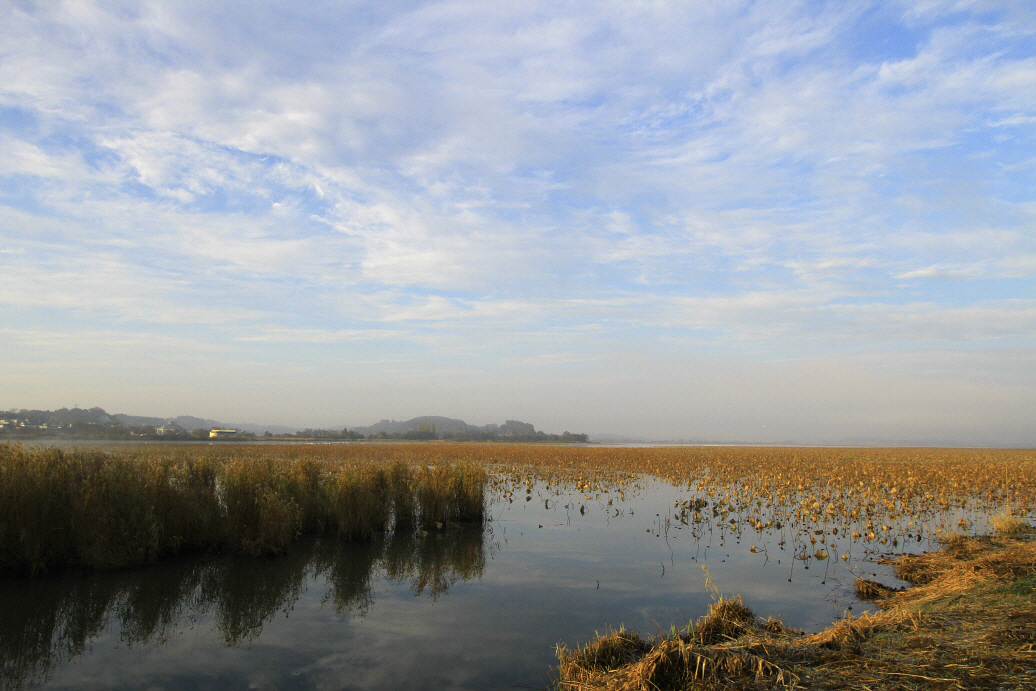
[{"x": 755, "y": 221}]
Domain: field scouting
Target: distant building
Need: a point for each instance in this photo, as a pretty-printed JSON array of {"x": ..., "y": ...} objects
[
  {"x": 224, "y": 433},
  {"x": 426, "y": 427},
  {"x": 170, "y": 429}
]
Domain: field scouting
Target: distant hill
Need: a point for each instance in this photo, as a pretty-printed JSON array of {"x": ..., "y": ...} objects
[
  {"x": 185, "y": 421},
  {"x": 442, "y": 425},
  {"x": 448, "y": 425},
  {"x": 98, "y": 416},
  {"x": 608, "y": 438},
  {"x": 189, "y": 422},
  {"x": 452, "y": 428},
  {"x": 434, "y": 426}
]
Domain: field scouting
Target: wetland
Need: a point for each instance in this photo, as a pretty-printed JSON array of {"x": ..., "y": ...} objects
[{"x": 551, "y": 546}]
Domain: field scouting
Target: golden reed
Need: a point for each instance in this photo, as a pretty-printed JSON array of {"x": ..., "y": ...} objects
[{"x": 102, "y": 508}]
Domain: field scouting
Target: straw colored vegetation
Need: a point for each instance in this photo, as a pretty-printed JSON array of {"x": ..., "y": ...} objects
[
  {"x": 1007, "y": 524},
  {"x": 112, "y": 509},
  {"x": 133, "y": 506},
  {"x": 968, "y": 623},
  {"x": 814, "y": 507}
]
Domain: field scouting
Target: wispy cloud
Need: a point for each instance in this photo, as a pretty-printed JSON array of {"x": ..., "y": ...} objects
[{"x": 529, "y": 187}]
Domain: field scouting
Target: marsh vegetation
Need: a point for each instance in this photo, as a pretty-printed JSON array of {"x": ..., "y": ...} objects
[
  {"x": 96, "y": 508},
  {"x": 579, "y": 539},
  {"x": 969, "y": 622}
]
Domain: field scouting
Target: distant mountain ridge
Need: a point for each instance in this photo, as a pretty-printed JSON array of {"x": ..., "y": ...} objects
[
  {"x": 98, "y": 416},
  {"x": 447, "y": 427},
  {"x": 442, "y": 426}
]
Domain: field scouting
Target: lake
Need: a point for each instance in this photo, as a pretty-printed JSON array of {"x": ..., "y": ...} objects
[{"x": 461, "y": 608}]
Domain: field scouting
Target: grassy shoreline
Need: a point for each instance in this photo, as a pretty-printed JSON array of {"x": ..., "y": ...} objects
[
  {"x": 110, "y": 509},
  {"x": 967, "y": 622}
]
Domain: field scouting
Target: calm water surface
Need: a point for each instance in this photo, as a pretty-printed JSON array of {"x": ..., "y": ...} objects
[{"x": 457, "y": 609}]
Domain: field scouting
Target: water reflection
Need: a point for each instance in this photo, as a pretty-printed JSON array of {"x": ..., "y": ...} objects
[
  {"x": 52, "y": 620},
  {"x": 553, "y": 565}
]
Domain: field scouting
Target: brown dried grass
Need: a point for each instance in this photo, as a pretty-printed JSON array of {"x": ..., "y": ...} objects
[
  {"x": 1008, "y": 524},
  {"x": 971, "y": 624},
  {"x": 706, "y": 653},
  {"x": 872, "y": 590},
  {"x": 672, "y": 663},
  {"x": 109, "y": 509},
  {"x": 607, "y": 653},
  {"x": 727, "y": 620}
]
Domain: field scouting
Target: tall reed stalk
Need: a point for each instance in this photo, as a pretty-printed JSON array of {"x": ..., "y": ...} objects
[
  {"x": 450, "y": 494},
  {"x": 105, "y": 509}
]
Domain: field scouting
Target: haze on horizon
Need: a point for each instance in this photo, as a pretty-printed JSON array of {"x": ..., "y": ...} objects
[{"x": 741, "y": 220}]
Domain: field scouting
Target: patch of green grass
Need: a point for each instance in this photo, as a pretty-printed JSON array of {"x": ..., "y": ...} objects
[{"x": 1023, "y": 586}]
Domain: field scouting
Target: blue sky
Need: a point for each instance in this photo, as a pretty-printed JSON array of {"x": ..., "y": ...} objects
[{"x": 724, "y": 220}]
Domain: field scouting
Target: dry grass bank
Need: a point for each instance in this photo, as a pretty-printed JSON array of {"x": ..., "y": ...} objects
[
  {"x": 968, "y": 623},
  {"x": 121, "y": 508}
]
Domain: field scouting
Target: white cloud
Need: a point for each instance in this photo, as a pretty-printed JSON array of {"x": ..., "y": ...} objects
[
  {"x": 468, "y": 179},
  {"x": 941, "y": 272}
]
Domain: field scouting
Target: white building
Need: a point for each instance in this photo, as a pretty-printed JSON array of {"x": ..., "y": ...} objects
[{"x": 224, "y": 433}]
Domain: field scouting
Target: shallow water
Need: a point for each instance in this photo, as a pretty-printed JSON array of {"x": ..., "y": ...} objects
[{"x": 457, "y": 609}]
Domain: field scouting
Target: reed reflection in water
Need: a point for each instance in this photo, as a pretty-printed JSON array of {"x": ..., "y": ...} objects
[{"x": 49, "y": 621}]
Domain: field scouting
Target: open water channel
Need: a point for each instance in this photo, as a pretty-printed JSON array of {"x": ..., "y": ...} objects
[{"x": 474, "y": 608}]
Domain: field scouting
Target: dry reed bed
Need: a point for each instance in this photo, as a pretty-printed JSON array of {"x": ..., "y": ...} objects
[
  {"x": 120, "y": 508},
  {"x": 815, "y": 503},
  {"x": 969, "y": 623},
  {"x": 257, "y": 498}
]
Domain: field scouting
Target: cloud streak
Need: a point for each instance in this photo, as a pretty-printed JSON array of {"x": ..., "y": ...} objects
[{"x": 523, "y": 188}]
